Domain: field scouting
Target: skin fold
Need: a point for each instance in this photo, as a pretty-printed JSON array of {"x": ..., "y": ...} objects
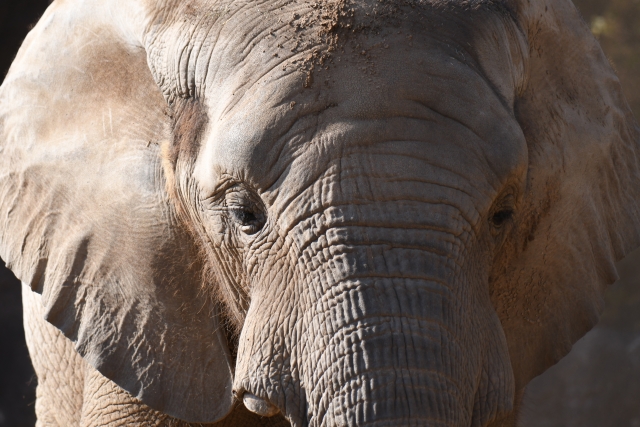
[
  {"x": 72, "y": 393},
  {"x": 372, "y": 213}
]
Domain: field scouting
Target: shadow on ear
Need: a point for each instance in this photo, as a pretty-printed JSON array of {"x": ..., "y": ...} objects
[
  {"x": 581, "y": 211},
  {"x": 85, "y": 219}
]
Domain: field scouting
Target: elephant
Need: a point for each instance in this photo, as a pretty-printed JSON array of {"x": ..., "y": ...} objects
[{"x": 310, "y": 213}]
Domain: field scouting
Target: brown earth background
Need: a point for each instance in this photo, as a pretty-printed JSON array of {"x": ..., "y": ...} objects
[{"x": 597, "y": 385}]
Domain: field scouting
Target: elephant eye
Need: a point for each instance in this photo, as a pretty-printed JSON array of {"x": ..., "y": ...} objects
[
  {"x": 244, "y": 217},
  {"x": 501, "y": 216},
  {"x": 250, "y": 222},
  {"x": 245, "y": 209}
]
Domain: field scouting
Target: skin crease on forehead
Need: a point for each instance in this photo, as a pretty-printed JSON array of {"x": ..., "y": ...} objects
[{"x": 267, "y": 126}]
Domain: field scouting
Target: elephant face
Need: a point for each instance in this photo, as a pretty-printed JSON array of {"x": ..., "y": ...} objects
[
  {"x": 366, "y": 217},
  {"x": 361, "y": 213}
]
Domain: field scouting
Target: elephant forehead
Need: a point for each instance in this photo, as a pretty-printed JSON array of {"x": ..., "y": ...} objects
[
  {"x": 447, "y": 108},
  {"x": 271, "y": 108}
]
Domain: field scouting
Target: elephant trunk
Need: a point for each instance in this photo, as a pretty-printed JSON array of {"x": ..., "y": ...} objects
[
  {"x": 376, "y": 325},
  {"x": 390, "y": 362}
]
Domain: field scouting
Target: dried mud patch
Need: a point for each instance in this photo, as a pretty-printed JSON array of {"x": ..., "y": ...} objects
[{"x": 358, "y": 26}]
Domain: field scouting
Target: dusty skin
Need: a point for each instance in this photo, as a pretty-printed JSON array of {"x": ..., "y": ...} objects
[{"x": 366, "y": 213}]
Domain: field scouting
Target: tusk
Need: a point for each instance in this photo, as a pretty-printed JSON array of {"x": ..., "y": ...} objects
[{"x": 259, "y": 406}]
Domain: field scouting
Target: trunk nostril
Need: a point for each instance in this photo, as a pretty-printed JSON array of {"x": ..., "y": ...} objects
[{"x": 259, "y": 406}]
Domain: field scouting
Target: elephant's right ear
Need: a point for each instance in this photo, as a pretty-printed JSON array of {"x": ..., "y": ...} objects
[
  {"x": 85, "y": 218},
  {"x": 581, "y": 211}
]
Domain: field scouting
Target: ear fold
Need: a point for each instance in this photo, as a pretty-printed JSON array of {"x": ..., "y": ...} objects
[
  {"x": 85, "y": 218},
  {"x": 581, "y": 211}
]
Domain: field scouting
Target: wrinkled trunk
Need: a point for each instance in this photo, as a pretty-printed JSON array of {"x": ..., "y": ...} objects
[{"x": 387, "y": 329}]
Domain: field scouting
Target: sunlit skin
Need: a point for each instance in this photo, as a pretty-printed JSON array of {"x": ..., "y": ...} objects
[{"x": 322, "y": 214}]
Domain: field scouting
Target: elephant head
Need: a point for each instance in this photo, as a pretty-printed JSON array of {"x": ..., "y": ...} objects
[{"x": 352, "y": 212}]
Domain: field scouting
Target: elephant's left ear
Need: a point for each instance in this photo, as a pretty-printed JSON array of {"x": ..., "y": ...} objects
[
  {"x": 85, "y": 218},
  {"x": 582, "y": 208}
]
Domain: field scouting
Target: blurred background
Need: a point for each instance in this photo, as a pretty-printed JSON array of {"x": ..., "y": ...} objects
[{"x": 597, "y": 385}]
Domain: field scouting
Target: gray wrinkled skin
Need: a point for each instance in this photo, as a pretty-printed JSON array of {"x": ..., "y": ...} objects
[
  {"x": 73, "y": 393},
  {"x": 372, "y": 213}
]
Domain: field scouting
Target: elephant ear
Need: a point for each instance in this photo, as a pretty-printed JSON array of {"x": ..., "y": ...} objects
[
  {"x": 582, "y": 204},
  {"x": 85, "y": 219}
]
